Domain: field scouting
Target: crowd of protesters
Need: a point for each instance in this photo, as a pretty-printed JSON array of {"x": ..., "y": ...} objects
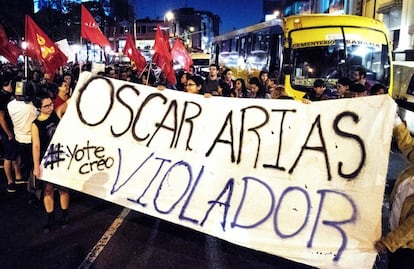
[{"x": 30, "y": 105}]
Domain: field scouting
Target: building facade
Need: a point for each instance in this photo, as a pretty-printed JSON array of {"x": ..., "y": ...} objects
[{"x": 195, "y": 28}]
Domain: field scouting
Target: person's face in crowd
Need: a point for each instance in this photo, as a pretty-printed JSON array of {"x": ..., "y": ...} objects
[
  {"x": 229, "y": 75},
  {"x": 238, "y": 85},
  {"x": 112, "y": 73},
  {"x": 46, "y": 78},
  {"x": 319, "y": 90},
  {"x": 68, "y": 79},
  {"x": 183, "y": 79},
  {"x": 192, "y": 87},
  {"x": 64, "y": 88},
  {"x": 342, "y": 89},
  {"x": 270, "y": 83},
  {"x": 47, "y": 106},
  {"x": 381, "y": 91},
  {"x": 357, "y": 76},
  {"x": 254, "y": 88},
  {"x": 213, "y": 71},
  {"x": 276, "y": 92},
  {"x": 264, "y": 76}
]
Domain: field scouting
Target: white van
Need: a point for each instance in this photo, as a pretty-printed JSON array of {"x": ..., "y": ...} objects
[
  {"x": 201, "y": 62},
  {"x": 403, "y": 90}
]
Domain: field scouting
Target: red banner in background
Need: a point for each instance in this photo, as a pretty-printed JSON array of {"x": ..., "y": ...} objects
[
  {"x": 42, "y": 48},
  {"x": 90, "y": 29},
  {"x": 134, "y": 55},
  {"x": 162, "y": 56},
  {"x": 7, "y": 49},
  {"x": 181, "y": 55}
]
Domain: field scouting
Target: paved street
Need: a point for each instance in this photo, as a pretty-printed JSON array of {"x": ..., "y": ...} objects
[{"x": 106, "y": 236}]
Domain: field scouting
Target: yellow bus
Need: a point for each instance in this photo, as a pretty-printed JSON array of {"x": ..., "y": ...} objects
[
  {"x": 247, "y": 51},
  {"x": 302, "y": 48}
]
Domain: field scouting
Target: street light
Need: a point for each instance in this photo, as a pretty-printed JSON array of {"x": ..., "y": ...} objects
[
  {"x": 170, "y": 17},
  {"x": 190, "y": 40}
]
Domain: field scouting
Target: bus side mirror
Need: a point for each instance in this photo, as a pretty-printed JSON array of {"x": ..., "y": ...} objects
[{"x": 287, "y": 69}]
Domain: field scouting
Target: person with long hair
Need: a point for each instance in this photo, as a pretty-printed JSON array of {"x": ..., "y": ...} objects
[
  {"x": 43, "y": 128},
  {"x": 240, "y": 88},
  {"x": 257, "y": 90}
]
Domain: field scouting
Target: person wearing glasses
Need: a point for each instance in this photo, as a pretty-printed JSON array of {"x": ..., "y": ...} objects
[
  {"x": 43, "y": 128},
  {"x": 195, "y": 84}
]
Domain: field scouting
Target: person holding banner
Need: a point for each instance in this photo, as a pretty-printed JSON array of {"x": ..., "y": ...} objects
[
  {"x": 400, "y": 240},
  {"x": 195, "y": 84},
  {"x": 42, "y": 130}
]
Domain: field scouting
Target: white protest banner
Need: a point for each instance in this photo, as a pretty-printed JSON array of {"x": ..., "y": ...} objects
[
  {"x": 301, "y": 181},
  {"x": 65, "y": 48}
]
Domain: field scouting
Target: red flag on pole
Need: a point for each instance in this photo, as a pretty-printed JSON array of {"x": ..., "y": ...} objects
[
  {"x": 162, "y": 56},
  {"x": 90, "y": 29},
  {"x": 181, "y": 55},
  {"x": 10, "y": 51},
  {"x": 42, "y": 48},
  {"x": 134, "y": 55}
]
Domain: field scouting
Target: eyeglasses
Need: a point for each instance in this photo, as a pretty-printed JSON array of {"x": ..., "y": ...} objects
[
  {"x": 190, "y": 84},
  {"x": 48, "y": 105}
]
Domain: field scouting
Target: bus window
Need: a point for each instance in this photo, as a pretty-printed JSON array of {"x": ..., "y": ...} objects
[
  {"x": 257, "y": 60},
  {"x": 410, "y": 89},
  {"x": 333, "y": 52}
]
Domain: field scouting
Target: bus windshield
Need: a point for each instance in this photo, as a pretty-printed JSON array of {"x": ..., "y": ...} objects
[{"x": 333, "y": 52}]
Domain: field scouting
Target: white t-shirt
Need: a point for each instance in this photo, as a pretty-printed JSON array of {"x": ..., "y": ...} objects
[
  {"x": 22, "y": 115},
  {"x": 405, "y": 189}
]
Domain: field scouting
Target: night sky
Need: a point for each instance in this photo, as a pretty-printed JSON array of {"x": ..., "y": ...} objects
[{"x": 233, "y": 13}]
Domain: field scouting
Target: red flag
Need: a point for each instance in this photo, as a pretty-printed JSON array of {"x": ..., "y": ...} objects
[
  {"x": 181, "y": 55},
  {"x": 136, "y": 57},
  {"x": 90, "y": 29},
  {"x": 10, "y": 51},
  {"x": 42, "y": 48},
  {"x": 162, "y": 56}
]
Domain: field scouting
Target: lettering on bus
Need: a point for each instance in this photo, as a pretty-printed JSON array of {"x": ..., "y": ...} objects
[
  {"x": 322, "y": 43},
  {"x": 363, "y": 43}
]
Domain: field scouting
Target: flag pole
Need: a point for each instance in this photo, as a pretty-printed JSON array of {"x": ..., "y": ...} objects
[
  {"x": 147, "y": 66},
  {"x": 80, "y": 56},
  {"x": 24, "y": 47},
  {"x": 25, "y": 66}
]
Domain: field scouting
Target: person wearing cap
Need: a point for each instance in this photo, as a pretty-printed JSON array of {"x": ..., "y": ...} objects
[{"x": 357, "y": 90}]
